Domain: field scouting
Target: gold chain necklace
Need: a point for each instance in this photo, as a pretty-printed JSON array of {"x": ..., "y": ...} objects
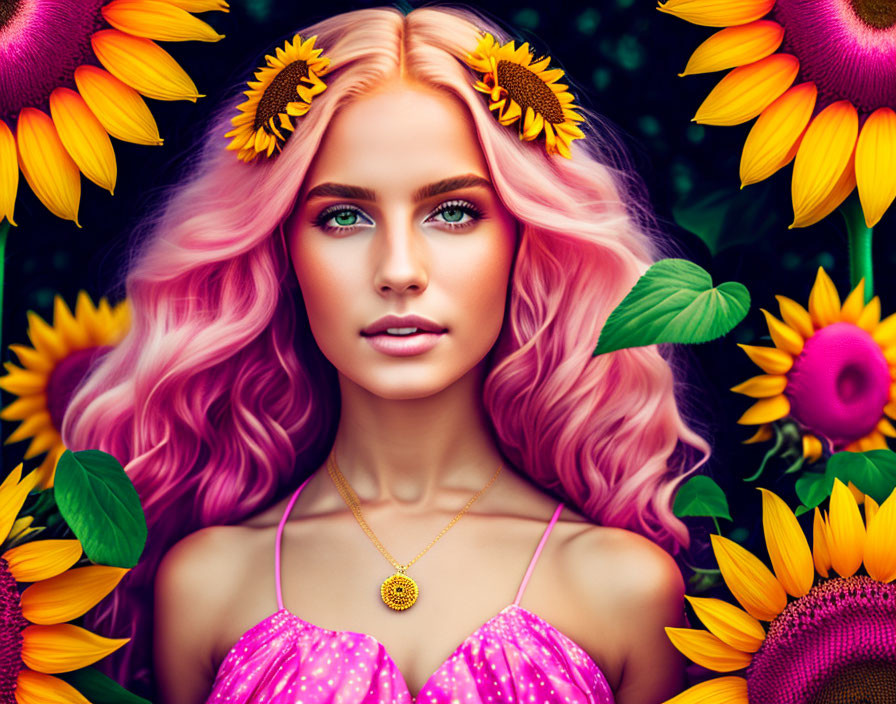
[{"x": 399, "y": 591}]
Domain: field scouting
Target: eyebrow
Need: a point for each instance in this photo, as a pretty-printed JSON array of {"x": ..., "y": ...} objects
[{"x": 341, "y": 190}]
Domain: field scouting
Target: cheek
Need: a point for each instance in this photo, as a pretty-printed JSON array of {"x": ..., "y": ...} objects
[{"x": 479, "y": 285}]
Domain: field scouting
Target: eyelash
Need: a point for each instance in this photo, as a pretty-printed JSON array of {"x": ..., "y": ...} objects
[{"x": 464, "y": 205}]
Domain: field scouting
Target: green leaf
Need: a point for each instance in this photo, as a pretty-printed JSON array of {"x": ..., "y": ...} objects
[
  {"x": 873, "y": 472},
  {"x": 100, "y": 689},
  {"x": 98, "y": 501},
  {"x": 814, "y": 487},
  {"x": 674, "y": 301},
  {"x": 701, "y": 496}
]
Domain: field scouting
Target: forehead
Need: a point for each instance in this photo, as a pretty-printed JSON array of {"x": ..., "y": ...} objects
[{"x": 397, "y": 138}]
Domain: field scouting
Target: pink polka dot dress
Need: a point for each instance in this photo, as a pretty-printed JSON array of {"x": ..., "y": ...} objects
[{"x": 515, "y": 656}]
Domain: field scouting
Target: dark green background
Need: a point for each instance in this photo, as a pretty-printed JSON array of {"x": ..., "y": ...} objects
[{"x": 622, "y": 58}]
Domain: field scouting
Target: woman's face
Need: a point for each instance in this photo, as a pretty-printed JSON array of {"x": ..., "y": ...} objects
[{"x": 397, "y": 216}]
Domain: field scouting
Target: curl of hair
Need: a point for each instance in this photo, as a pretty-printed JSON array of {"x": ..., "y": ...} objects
[{"x": 218, "y": 402}]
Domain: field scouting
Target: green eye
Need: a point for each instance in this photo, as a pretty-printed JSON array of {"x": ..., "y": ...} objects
[
  {"x": 452, "y": 214},
  {"x": 346, "y": 217}
]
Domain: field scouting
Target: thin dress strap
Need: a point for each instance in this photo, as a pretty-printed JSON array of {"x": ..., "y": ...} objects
[
  {"x": 544, "y": 538},
  {"x": 278, "y": 540}
]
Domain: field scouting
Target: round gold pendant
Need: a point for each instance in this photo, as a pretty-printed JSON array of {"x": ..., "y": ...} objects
[{"x": 399, "y": 591}]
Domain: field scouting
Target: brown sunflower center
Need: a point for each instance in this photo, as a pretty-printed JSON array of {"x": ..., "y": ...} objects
[
  {"x": 528, "y": 90},
  {"x": 865, "y": 682},
  {"x": 12, "y": 623},
  {"x": 879, "y": 14},
  {"x": 8, "y": 10},
  {"x": 280, "y": 93}
]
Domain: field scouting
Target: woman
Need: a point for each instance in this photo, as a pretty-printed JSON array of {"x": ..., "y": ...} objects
[{"x": 270, "y": 412}]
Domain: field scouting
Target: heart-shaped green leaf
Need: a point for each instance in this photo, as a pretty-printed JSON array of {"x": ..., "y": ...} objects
[
  {"x": 98, "y": 501},
  {"x": 814, "y": 487},
  {"x": 701, "y": 496},
  {"x": 674, "y": 301}
]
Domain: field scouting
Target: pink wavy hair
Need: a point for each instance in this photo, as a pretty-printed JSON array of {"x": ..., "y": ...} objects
[{"x": 218, "y": 402}]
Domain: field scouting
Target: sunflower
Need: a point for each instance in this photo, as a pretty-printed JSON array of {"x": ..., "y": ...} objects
[
  {"x": 832, "y": 371},
  {"x": 60, "y": 358},
  {"x": 526, "y": 90},
  {"x": 36, "y": 642},
  {"x": 834, "y": 642},
  {"x": 48, "y": 51},
  {"x": 294, "y": 71},
  {"x": 838, "y": 120}
]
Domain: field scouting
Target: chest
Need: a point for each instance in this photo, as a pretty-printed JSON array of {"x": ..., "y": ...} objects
[{"x": 330, "y": 597}]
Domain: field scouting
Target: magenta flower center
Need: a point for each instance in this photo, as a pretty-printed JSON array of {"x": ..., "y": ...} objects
[
  {"x": 846, "y": 47},
  {"x": 837, "y": 644},
  {"x": 839, "y": 384},
  {"x": 42, "y": 42},
  {"x": 12, "y": 623},
  {"x": 64, "y": 379}
]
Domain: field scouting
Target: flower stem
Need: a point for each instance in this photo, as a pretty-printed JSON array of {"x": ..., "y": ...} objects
[
  {"x": 859, "y": 245},
  {"x": 718, "y": 528}
]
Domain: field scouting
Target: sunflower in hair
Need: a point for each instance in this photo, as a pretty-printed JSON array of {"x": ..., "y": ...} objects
[
  {"x": 52, "y": 369},
  {"x": 520, "y": 88},
  {"x": 281, "y": 90}
]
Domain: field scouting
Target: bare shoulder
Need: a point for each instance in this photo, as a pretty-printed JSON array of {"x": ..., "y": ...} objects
[
  {"x": 193, "y": 586},
  {"x": 633, "y": 589}
]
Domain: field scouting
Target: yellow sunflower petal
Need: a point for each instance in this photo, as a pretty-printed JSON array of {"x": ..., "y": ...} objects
[
  {"x": 750, "y": 581},
  {"x": 64, "y": 647},
  {"x": 886, "y": 427},
  {"x": 876, "y": 164},
  {"x": 9, "y": 173},
  {"x": 21, "y": 382},
  {"x": 812, "y": 449},
  {"x": 24, "y": 407},
  {"x": 871, "y": 509},
  {"x": 46, "y": 165},
  {"x": 748, "y": 90},
  {"x": 70, "y": 594},
  {"x": 766, "y": 410},
  {"x": 771, "y": 143},
  {"x": 13, "y": 498},
  {"x": 885, "y": 332},
  {"x": 719, "y": 690},
  {"x": 42, "y": 559},
  {"x": 30, "y": 426},
  {"x": 770, "y": 359},
  {"x": 728, "y": 623},
  {"x": 157, "y": 20},
  {"x": 761, "y": 435},
  {"x": 847, "y": 531},
  {"x": 854, "y": 304},
  {"x": 880, "y": 557},
  {"x": 718, "y": 13},
  {"x": 762, "y": 386},
  {"x": 824, "y": 301},
  {"x": 84, "y": 137},
  {"x": 823, "y": 156},
  {"x": 74, "y": 335},
  {"x": 842, "y": 188},
  {"x": 796, "y": 316},
  {"x": 33, "y": 360},
  {"x": 870, "y": 315},
  {"x": 118, "y": 107},
  {"x": 788, "y": 548},
  {"x": 37, "y": 688},
  {"x": 784, "y": 337},
  {"x": 705, "y": 649},
  {"x": 200, "y": 5},
  {"x": 143, "y": 65},
  {"x": 735, "y": 46}
]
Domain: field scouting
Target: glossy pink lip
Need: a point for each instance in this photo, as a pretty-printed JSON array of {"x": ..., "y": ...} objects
[
  {"x": 402, "y": 321},
  {"x": 404, "y": 346}
]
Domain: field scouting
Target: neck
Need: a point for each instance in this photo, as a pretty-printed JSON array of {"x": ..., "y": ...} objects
[{"x": 407, "y": 451}]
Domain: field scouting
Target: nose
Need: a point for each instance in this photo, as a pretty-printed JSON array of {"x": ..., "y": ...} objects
[{"x": 400, "y": 260}]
